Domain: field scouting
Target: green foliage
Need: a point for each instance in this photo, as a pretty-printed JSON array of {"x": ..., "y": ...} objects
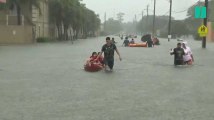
[
  {"x": 43, "y": 39},
  {"x": 120, "y": 16},
  {"x": 71, "y": 13},
  {"x": 3, "y": 6},
  {"x": 146, "y": 23},
  {"x": 212, "y": 25},
  {"x": 192, "y": 23},
  {"x": 130, "y": 27},
  {"x": 112, "y": 26},
  {"x": 179, "y": 28}
]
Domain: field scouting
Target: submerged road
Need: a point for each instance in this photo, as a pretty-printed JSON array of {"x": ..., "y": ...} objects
[{"x": 47, "y": 82}]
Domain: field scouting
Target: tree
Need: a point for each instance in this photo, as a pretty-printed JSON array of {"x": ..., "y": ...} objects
[
  {"x": 112, "y": 26},
  {"x": 179, "y": 28},
  {"x": 56, "y": 15},
  {"x": 192, "y": 23},
  {"x": 120, "y": 17},
  {"x": 71, "y": 13},
  {"x": 130, "y": 27},
  {"x": 145, "y": 24}
]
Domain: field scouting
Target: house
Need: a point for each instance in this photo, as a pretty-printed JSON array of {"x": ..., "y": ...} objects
[
  {"x": 34, "y": 23},
  {"x": 210, "y": 36}
]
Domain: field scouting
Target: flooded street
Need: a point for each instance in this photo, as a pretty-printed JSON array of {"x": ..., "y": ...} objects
[{"x": 47, "y": 82}]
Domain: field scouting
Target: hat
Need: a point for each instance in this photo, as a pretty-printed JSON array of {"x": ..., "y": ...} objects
[{"x": 185, "y": 42}]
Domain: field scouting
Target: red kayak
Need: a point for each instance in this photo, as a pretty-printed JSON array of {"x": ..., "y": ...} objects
[{"x": 93, "y": 67}]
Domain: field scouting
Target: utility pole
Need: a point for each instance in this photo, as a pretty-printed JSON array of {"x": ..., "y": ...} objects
[
  {"x": 142, "y": 14},
  {"x": 104, "y": 25},
  {"x": 147, "y": 17},
  {"x": 205, "y": 24},
  {"x": 142, "y": 24},
  {"x": 169, "y": 26},
  {"x": 105, "y": 17},
  {"x": 153, "y": 33},
  {"x": 147, "y": 10}
]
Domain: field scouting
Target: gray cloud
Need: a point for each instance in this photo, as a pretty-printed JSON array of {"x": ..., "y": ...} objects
[{"x": 132, "y": 7}]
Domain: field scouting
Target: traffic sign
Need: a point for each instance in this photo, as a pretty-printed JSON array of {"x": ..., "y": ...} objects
[
  {"x": 203, "y": 30},
  {"x": 200, "y": 12}
]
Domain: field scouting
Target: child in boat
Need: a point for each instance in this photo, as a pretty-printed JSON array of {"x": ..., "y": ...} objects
[
  {"x": 101, "y": 59},
  {"x": 92, "y": 60}
]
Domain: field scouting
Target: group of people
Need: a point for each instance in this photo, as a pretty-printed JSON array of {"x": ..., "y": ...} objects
[
  {"x": 182, "y": 54},
  {"x": 150, "y": 40},
  {"x": 126, "y": 42},
  {"x": 108, "y": 60}
]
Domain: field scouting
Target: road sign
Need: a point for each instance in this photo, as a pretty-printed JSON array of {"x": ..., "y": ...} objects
[
  {"x": 202, "y": 31},
  {"x": 200, "y": 12}
]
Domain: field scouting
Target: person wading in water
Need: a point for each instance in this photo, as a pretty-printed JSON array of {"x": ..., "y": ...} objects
[
  {"x": 178, "y": 53},
  {"x": 108, "y": 50}
]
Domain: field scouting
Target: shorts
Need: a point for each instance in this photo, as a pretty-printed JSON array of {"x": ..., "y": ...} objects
[
  {"x": 109, "y": 62},
  {"x": 178, "y": 62}
]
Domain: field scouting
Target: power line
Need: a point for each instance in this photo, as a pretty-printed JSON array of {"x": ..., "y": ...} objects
[
  {"x": 186, "y": 8},
  {"x": 181, "y": 11},
  {"x": 166, "y": 13},
  {"x": 176, "y": 12}
]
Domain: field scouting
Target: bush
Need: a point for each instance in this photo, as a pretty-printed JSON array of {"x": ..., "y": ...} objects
[{"x": 43, "y": 39}]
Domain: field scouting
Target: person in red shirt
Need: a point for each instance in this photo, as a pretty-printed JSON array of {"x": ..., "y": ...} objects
[
  {"x": 101, "y": 59},
  {"x": 93, "y": 56},
  {"x": 93, "y": 60}
]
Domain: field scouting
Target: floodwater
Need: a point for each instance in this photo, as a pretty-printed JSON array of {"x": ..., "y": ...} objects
[{"x": 47, "y": 82}]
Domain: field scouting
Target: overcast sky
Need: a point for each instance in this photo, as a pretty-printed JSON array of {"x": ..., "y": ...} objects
[{"x": 132, "y": 7}]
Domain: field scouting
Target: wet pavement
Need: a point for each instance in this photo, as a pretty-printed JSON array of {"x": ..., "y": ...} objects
[{"x": 47, "y": 82}]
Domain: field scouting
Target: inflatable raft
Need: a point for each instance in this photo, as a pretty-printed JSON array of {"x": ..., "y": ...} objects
[
  {"x": 92, "y": 68},
  {"x": 138, "y": 45}
]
